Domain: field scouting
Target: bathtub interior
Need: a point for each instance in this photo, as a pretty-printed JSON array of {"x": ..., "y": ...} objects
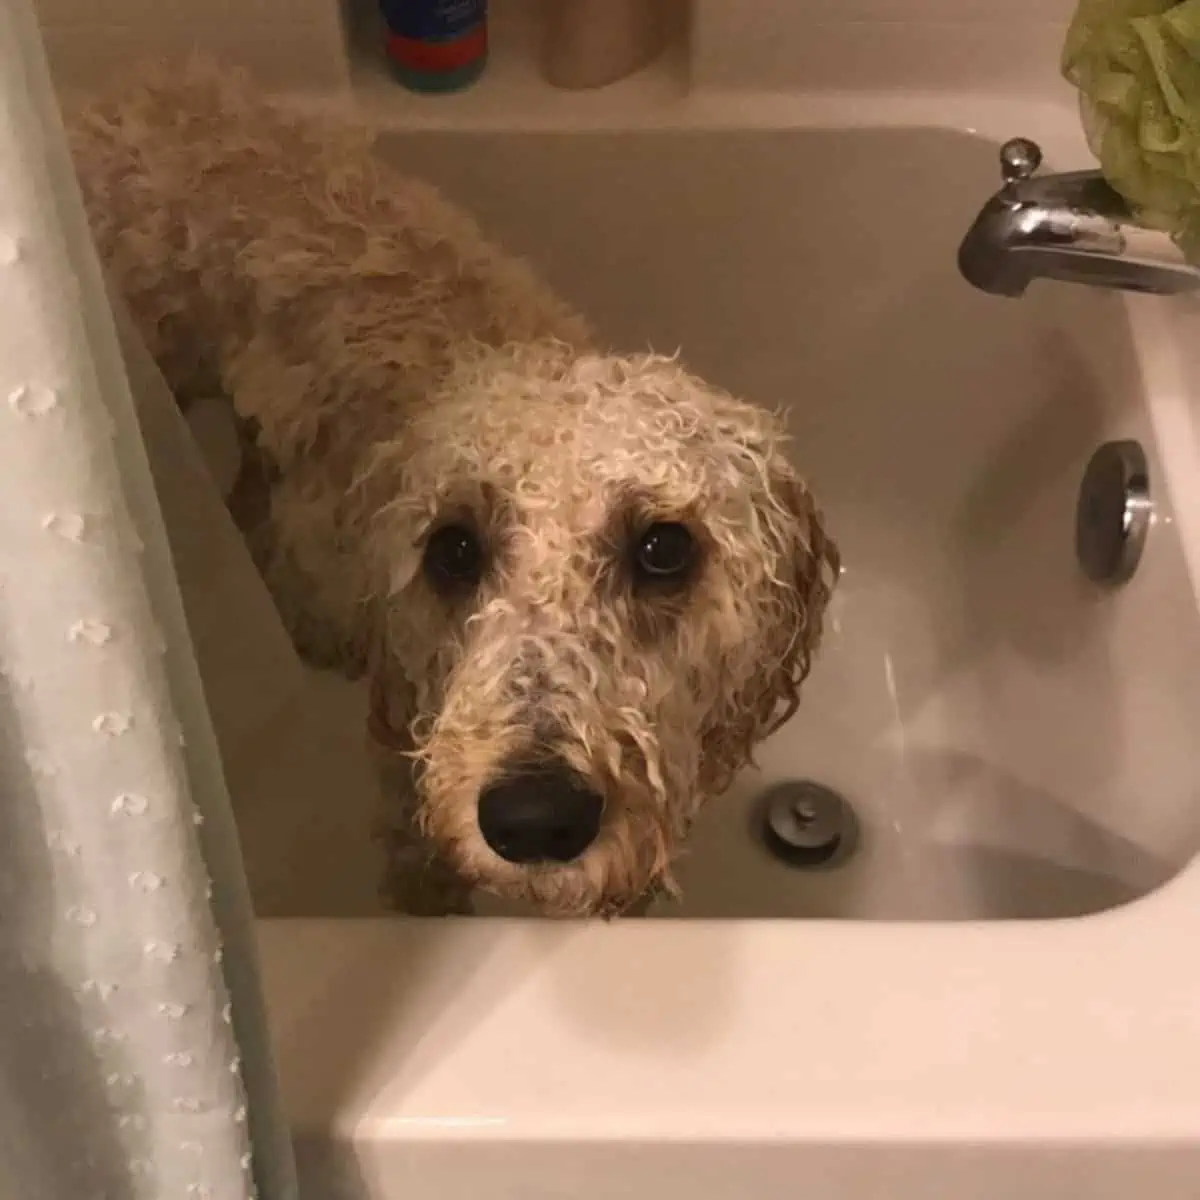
[{"x": 1014, "y": 741}]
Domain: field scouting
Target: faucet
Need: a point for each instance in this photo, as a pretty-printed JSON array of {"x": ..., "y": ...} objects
[{"x": 1072, "y": 226}]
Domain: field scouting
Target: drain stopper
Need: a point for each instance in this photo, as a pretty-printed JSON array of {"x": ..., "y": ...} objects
[
  {"x": 806, "y": 824},
  {"x": 1114, "y": 512}
]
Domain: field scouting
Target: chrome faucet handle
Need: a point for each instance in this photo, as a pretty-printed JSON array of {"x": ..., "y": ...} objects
[
  {"x": 1072, "y": 226},
  {"x": 1019, "y": 159}
]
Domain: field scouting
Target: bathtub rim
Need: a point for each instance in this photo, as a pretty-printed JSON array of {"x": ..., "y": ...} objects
[{"x": 1114, "y": 1010}]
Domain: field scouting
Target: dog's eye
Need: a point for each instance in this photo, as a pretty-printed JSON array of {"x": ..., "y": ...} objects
[
  {"x": 664, "y": 553},
  {"x": 454, "y": 557}
]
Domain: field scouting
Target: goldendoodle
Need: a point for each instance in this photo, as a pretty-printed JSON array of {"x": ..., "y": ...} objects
[{"x": 582, "y": 584}]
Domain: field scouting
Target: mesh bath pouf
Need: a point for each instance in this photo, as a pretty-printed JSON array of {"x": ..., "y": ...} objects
[{"x": 1136, "y": 64}]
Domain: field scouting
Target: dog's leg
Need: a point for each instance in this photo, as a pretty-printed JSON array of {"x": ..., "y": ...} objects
[{"x": 416, "y": 882}]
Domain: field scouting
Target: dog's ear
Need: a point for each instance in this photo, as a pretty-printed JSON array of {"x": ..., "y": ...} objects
[
  {"x": 391, "y": 698},
  {"x": 808, "y": 565},
  {"x": 388, "y": 716},
  {"x": 802, "y": 568}
]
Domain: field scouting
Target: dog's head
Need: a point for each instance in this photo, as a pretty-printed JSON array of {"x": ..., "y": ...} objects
[{"x": 602, "y": 585}]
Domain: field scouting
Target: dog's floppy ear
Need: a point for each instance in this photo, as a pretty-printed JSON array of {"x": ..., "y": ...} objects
[
  {"x": 392, "y": 699},
  {"x": 388, "y": 716},
  {"x": 803, "y": 566},
  {"x": 808, "y": 568}
]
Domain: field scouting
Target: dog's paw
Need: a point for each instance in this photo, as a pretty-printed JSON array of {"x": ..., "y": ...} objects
[
  {"x": 415, "y": 884},
  {"x": 425, "y": 896}
]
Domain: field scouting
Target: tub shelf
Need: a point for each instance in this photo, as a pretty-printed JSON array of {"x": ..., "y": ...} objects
[{"x": 512, "y": 93}]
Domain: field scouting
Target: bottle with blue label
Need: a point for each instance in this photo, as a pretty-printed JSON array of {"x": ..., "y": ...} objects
[{"x": 436, "y": 45}]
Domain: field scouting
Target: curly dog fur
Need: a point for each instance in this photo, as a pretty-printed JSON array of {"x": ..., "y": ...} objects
[{"x": 396, "y": 376}]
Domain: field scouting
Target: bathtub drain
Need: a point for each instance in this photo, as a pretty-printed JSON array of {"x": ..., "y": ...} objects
[
  {"x": 806, "y": 824},
  {"x": 1114, "y": 513}
]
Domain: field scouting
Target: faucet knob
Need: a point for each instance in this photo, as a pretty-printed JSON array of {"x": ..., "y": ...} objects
[{"x": 1019, "y": 159}]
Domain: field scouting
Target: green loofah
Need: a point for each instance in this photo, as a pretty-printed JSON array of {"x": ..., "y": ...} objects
[{"x": 1136, "y": 64}]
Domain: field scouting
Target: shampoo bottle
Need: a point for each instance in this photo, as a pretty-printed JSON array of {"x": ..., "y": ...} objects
[{"x": 436, "y": 45}]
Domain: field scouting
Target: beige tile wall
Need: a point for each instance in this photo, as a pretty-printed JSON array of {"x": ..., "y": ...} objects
[
  {"x": 755, "y": 43},
  {"x": 879, "y": 43},
  {"x": 289, "y": 43}
]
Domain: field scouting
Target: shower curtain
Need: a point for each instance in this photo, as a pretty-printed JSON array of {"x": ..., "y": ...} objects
[{"x": 134, "y": 1060}]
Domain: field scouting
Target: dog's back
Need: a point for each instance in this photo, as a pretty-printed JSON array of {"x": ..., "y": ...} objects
[
  {"x": 268, "y": 256},
  {"x": 249, "y": 238}
]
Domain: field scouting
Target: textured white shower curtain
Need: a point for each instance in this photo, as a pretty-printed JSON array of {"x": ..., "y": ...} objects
[{"x": 133, "y": 1054}]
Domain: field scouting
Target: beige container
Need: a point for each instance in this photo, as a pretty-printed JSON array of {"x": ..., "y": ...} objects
[{"x": 590, "y": 43}]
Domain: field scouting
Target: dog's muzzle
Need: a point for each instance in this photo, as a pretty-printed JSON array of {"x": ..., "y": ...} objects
[{"x": 543, "y": 814}]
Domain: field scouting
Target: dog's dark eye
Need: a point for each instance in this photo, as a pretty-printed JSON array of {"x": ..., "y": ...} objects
[
  {"x": 664, "y": 553},
  {"x": 454, "y": 557}
]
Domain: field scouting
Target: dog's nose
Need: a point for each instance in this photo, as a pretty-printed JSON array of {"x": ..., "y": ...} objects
[{"x": 540, "y": 816}]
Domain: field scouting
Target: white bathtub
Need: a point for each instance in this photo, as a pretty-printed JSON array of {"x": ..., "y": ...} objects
[{"x": 1016, "y": 743}]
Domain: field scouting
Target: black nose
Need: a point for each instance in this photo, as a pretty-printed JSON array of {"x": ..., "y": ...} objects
[{"x": 538, "y": 816}]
